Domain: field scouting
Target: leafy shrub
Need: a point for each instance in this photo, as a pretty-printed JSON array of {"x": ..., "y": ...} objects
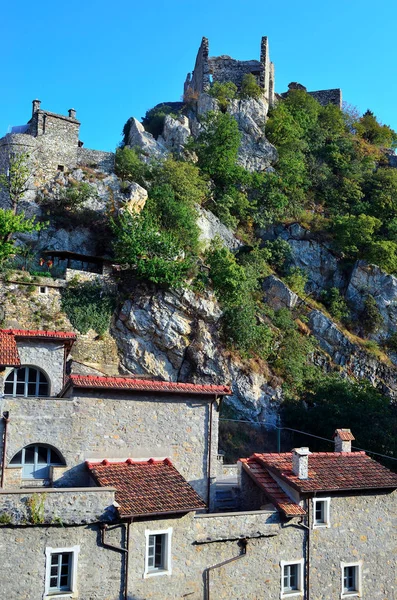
[
  {"x": 152, "y": 254},
  {"x": 277, "y": 253},
  {"x": 335, "y": 303},
  {"x": 88, "y": 306},
  {"x": 129, "y": 166},
  {"x": 242, "y": 330},
  {"x": 296, "y": 279},
  {"x": 391, "y": 342},
  {"x": 72, "y": 197},
  {"x": 250, "y": 87},
  {"x": 10, "y": 224},
  {"x": 375, "y": 133},
  {"x": 223, "y": 92},
  {"x": 187, "y": 183},
  {"x": 370, "y": 318},
  {"x": 153, "y": 121}
]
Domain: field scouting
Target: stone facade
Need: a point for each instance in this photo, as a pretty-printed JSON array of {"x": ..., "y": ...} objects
[
  {"x": 52, "y": 144},
  {"x": 210, "y": 555}
]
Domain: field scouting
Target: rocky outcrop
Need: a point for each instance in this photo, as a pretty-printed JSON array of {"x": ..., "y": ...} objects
[
  {"x": 175, "y": 336},
  {"x": 256, "y": 153},
  {"x": 315, "y": 258},
  {"x": 135, "y": 199},
  {"x": 371, "y": 280},
  {"x": 210, "y": 227},
  {"x": 139, "y": 138},
  {"x": 354, "y": 361},
  {"x": 277, "y": 294},
  {"x": 175, "y": 134}
]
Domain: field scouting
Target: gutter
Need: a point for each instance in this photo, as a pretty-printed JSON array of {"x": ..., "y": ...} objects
[
  {"x": 209, "y": 455},
  {"x": 243, "y": 545},
  {"x": 6, "y": 420},
  {"x": 125, "y": 551}
]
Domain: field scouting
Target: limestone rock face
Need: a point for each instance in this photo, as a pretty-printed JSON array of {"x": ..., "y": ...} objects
[
  {"x": 353, "y": 360},
  {"x": 210, "y": 226},
  {"x": 277, "y": 294},
  {"x": 315, "y": 258},
  {"x": 175, "y": 134},
  {"x": 370, "y": 279},
  {"x": 136, "y": 199},
  {"x": 175, "y": 336},
  {"x": 138, "y": 137},
  {"x": 256, "y": 153}
]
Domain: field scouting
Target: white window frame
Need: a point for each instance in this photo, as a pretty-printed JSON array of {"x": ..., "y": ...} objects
[
  {"x": 327, "y": 519},
  {"x": 356, "y": 593},
  {"x": 74, "y": 550},
  {"x": 168, "y": 559},
  {"x": 301, "y": 583},
  {"x": 25, "y": 383}
]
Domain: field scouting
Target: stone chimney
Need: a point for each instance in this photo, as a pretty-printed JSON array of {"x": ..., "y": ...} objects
[
  {"x": 35, "y": 106},
  {"x": 300, "y": 462},
  {"x": 343, "y": 440},
  {"x": 72, "y": 113}
]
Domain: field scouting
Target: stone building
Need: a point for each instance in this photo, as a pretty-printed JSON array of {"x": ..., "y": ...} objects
[
  {"x": 209, "y": 69},
  {"x": 108, "y": 493},
  {"x": 52, "y": 143}
]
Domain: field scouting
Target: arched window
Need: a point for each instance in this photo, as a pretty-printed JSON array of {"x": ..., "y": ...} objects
[
  {"x": 36, "y": 461},
  {"x": 26, "y": 381}
]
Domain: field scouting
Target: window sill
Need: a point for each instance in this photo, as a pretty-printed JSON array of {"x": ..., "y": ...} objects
[
  {"x": 322, "y": 526},
  {"x": 355, "y": 594},
  {"x": 295, "y": 593},
  {"x": 156, "y": 573}
]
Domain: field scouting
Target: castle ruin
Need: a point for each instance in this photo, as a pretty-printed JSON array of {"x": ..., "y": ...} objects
[{"x": 211, "y": 69}]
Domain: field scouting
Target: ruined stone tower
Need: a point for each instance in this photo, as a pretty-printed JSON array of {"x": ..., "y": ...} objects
[{"x": 209, "y": 69}]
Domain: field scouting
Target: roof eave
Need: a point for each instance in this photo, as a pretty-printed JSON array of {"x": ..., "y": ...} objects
[
  {"x": 161, "y": 513},
  {"x": 209, "y": 393}
]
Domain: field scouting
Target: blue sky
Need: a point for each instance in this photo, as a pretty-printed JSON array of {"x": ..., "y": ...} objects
[{"x": 113, "y": 60}]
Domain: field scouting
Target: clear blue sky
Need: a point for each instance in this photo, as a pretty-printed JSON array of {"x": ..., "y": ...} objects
[{"x": 112, "y": 60}]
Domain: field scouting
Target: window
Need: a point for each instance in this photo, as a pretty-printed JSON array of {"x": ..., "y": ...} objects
[
  {"x": 36, "y": 461},
  {"x": 61, "y": 571},
  {"x": 43, "y": 289},
  {"x": 291, "y": 578},
  {"x": 61, "y": 168},
  {"x": 158, "y": 552},
  {"x": 321, "y": 512},
  {"x": 351, "y": 579},
  {"x": 26, "y": 381}
]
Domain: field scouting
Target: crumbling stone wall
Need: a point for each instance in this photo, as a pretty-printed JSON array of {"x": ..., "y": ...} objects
[
  {"x": 325, "y": 97},
  {"x": 104, "y": 161}
]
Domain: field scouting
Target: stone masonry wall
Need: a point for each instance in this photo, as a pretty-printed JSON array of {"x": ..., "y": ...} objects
[
  {"x": 361, "y": 529},
  {"x": 118, "y": 427},
  {"x": 325, "y": 97},
  {"x": 104, "y": 161},
  {"x": 225, "y": 69},
  {"x": 47, "y": 356},
  {"x": 69, "y": 506}
]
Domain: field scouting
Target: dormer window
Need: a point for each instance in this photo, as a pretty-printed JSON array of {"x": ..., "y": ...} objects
[{"x": 26, "y": 381}]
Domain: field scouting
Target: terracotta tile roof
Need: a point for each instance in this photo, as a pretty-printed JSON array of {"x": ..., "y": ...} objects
[
  {"x": 331, "y": 471},
  {"x": 144, "y": 385},
  {"x": 9, "y": 356},
  {"x": 271, "y": 488},
  {"x": 37, "y": 333},
  {"x": 345, "y": 435},
  {"x": 147, "y": 487}
]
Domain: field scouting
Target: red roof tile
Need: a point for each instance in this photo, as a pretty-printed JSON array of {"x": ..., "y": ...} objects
[
  {"x": 9, "y": 356},
  {"x": 331, "y": 471},
  {"x": 147, "y": 488},
  {"x": 144, "y": 385},
  {"x": 37, "y": 333},
  {"x": 345, "y": 435},
  {"x": 271, "y": 488}
]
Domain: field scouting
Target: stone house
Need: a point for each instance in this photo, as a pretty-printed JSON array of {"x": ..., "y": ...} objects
[
  {"x": 52, "y": 143},
  {"x": 108, "y": 493}
]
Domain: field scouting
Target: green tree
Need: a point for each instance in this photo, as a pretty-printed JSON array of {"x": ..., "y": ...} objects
[
  {"x": 150, "y": 253},
  {"x": 370, "y": 318},
  {"x": 223, "y": 92},
  {"x": 10, "y": 224},
  {"x": 374, "y": 132},
  {"x": 250, "y": 87},
  {"x": 16, "y": 181},
  {"x": 353, "y": 234},
  {"x": 129, "y": 166}
]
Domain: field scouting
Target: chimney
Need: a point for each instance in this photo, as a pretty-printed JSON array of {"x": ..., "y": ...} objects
[
  {"x": 35, "y": 106},
  {"x": 300, "y": 462},
  {"x": 343, "y": 440},
  {"x": 72, "y": 113}
]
